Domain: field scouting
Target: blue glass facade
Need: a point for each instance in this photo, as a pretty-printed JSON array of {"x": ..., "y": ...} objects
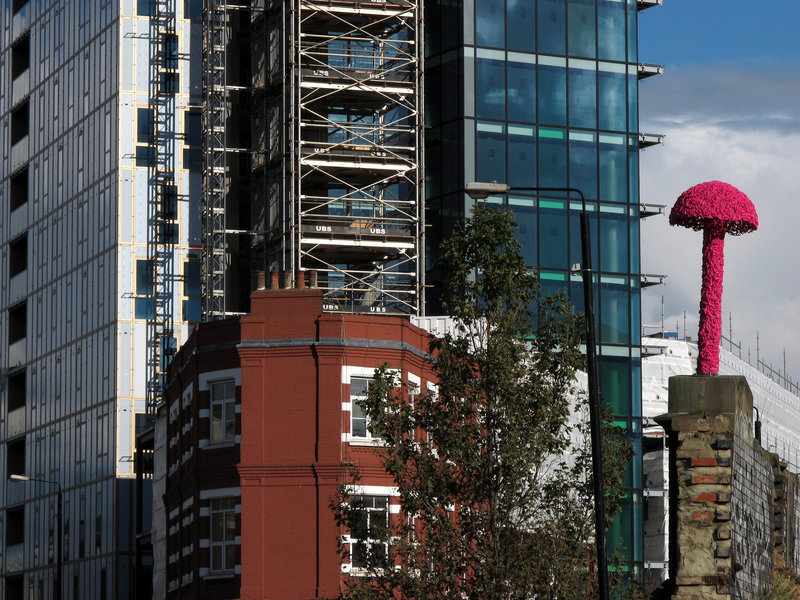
[{"x": 544, "y": 93}]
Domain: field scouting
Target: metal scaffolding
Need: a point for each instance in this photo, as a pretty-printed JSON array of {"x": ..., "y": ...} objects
[
  {"x": 215, "y": 171},
  {"x": 162, "y": 197},
  {"x": 228, "y": 235},
  {"x": 342, "y": 150}
]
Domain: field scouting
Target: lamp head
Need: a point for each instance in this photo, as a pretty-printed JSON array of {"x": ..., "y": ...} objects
[{"x": 479, "y": 190}]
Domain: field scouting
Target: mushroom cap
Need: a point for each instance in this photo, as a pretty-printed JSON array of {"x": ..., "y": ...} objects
[{"x": 715, "y": 201}]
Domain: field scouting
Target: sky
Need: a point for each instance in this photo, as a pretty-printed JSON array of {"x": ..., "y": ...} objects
[{"x": 729, "y": 105}]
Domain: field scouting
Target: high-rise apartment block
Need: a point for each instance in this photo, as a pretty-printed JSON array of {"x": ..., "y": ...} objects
[
  {"x": 157, "y": 155},
  {"x": 544, "y": 94},
  {"x": 101, "y": 168}
]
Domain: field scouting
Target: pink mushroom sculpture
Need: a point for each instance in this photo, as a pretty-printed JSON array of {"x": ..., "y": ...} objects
[{"x": 717, "y": 208}]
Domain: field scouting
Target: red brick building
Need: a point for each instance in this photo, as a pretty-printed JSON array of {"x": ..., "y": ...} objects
[{"x": 259, "y": 421}]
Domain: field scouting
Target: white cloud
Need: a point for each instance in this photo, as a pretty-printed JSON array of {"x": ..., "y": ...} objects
[{"x": 754, "y": 146}]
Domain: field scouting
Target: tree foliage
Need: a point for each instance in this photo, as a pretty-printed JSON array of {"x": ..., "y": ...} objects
[{"x": 493, "y": 469}]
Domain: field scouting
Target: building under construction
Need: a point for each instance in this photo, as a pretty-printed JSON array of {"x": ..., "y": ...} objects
[{"x": 313, "y": 128}]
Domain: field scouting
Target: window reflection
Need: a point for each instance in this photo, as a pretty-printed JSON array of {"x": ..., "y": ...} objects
[
  {"x": 490, "y": 85},
  {"x": 633, "y": 224},
  {"x": 575, "y": 251},
  {"x": 615, "y": 385},
  {"x": 521, "y": 24},
  {"x": 489, "y": 23},
  {"x": 583, "y": 162},
  {"x": 633, "y": 103},
  {"x": 552, "y": 95},
  {"x": 583, "y": 98},
  {"x": 521, "y": 156},
  {"x": 613, "y": 238},
  {"x": 610, "y": 30},
  {"x": 552, "y": 157},
  {"x": 553, "y": 233},
  {"x": 611, "y": 100},
  {"x": 490, "y": 152},
  {"x": 613, "y": 171},
  {"x": 551, "y": 26},
  {"x": 614, "y": 311},
  {"x": 525, "y": 214},
  {"x": 633, "y": 42},
  {"x": 633, "y": 170},
  {"x": 521, "y": 92},
  {"x": 582, "y": 29}
]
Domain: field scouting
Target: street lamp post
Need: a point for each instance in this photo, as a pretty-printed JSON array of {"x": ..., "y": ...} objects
[
  {"x": 59, "y": 532},
  {"x": 480, "y": 191}
]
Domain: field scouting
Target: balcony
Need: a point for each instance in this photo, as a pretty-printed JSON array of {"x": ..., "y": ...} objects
[
  {"x": 21, "y": 21},
  {"x": 18, "y": 353},
  {"x": 18, "y": 287},
  {"x": 20, "y": 87},
  {"x": 19, "y": 154},
  {"x": 18, "y": 221},
  {"x": 16, "y": 421},
  {"x": 14, "y": 557}
]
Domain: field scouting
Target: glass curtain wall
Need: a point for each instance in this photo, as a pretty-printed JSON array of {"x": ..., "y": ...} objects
[{"x": 544, "y": 93}]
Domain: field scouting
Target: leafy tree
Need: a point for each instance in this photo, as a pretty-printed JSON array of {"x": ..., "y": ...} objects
[{"x": 494, "y": 475}]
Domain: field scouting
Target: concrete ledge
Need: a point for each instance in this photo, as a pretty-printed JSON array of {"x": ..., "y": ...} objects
[{"x": 710, "y": 394}]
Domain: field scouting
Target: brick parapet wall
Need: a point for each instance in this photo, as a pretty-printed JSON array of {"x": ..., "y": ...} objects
[
  {"x": 733, "y": 505},
  {"x": 702, "y": 459}
]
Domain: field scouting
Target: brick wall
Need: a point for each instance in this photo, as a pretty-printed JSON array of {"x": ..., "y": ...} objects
[
  {"x": 752, "y": 517},
  {"x": 733, "y": 505}
]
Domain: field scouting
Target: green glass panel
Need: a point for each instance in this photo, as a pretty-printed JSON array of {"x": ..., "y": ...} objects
[
  {"x": 615, "y": 384},
  {"x": 619, "y": 539}
]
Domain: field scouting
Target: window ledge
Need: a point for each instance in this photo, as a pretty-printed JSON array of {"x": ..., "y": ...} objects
[
  {"x": 357, "y": 572},
  {"x": 377, "y": 443},
  {"x": 221, "y": 575},
  {"x": 223, "y": 444}
]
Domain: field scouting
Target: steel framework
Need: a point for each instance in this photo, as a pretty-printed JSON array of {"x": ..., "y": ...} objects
[
  {"x": 162, "y": 198},
  {"x": 215, "y": 167},
  {"x": 226, "y": 94},
  {"x": 343, "y": 150}
]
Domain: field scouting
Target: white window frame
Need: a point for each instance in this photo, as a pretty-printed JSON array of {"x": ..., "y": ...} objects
[
  {"x": 227, "y": 406},
  {"x": 371, "y": 511},
  {"x": 355, "y": 408},
  {"x": 348, "y": 374},
  {"x": 223, "y": 508}
]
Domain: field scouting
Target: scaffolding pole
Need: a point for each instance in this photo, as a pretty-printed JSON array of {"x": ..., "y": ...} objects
[
  {"x": 162, "y": 198},
  {"x": 215, "y": 165},
  {"x": 344, "y": 151}
]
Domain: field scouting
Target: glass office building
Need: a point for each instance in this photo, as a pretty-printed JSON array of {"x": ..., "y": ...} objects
[
  {"x": 76, "y": 284},
  {"x": 545, "y": 93}
]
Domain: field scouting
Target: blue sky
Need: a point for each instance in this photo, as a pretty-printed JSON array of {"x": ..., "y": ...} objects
[
  {"x": 729, "y": 104},
  {"x": 719, "y": 31}
]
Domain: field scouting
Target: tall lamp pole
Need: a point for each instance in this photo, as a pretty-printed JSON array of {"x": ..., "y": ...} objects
[
  {"x": 59, "y": 528},
  {"x": 480, "y": 191}
]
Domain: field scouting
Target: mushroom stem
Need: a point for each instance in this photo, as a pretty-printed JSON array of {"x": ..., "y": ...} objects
[{"x": 710, "y": 329}]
